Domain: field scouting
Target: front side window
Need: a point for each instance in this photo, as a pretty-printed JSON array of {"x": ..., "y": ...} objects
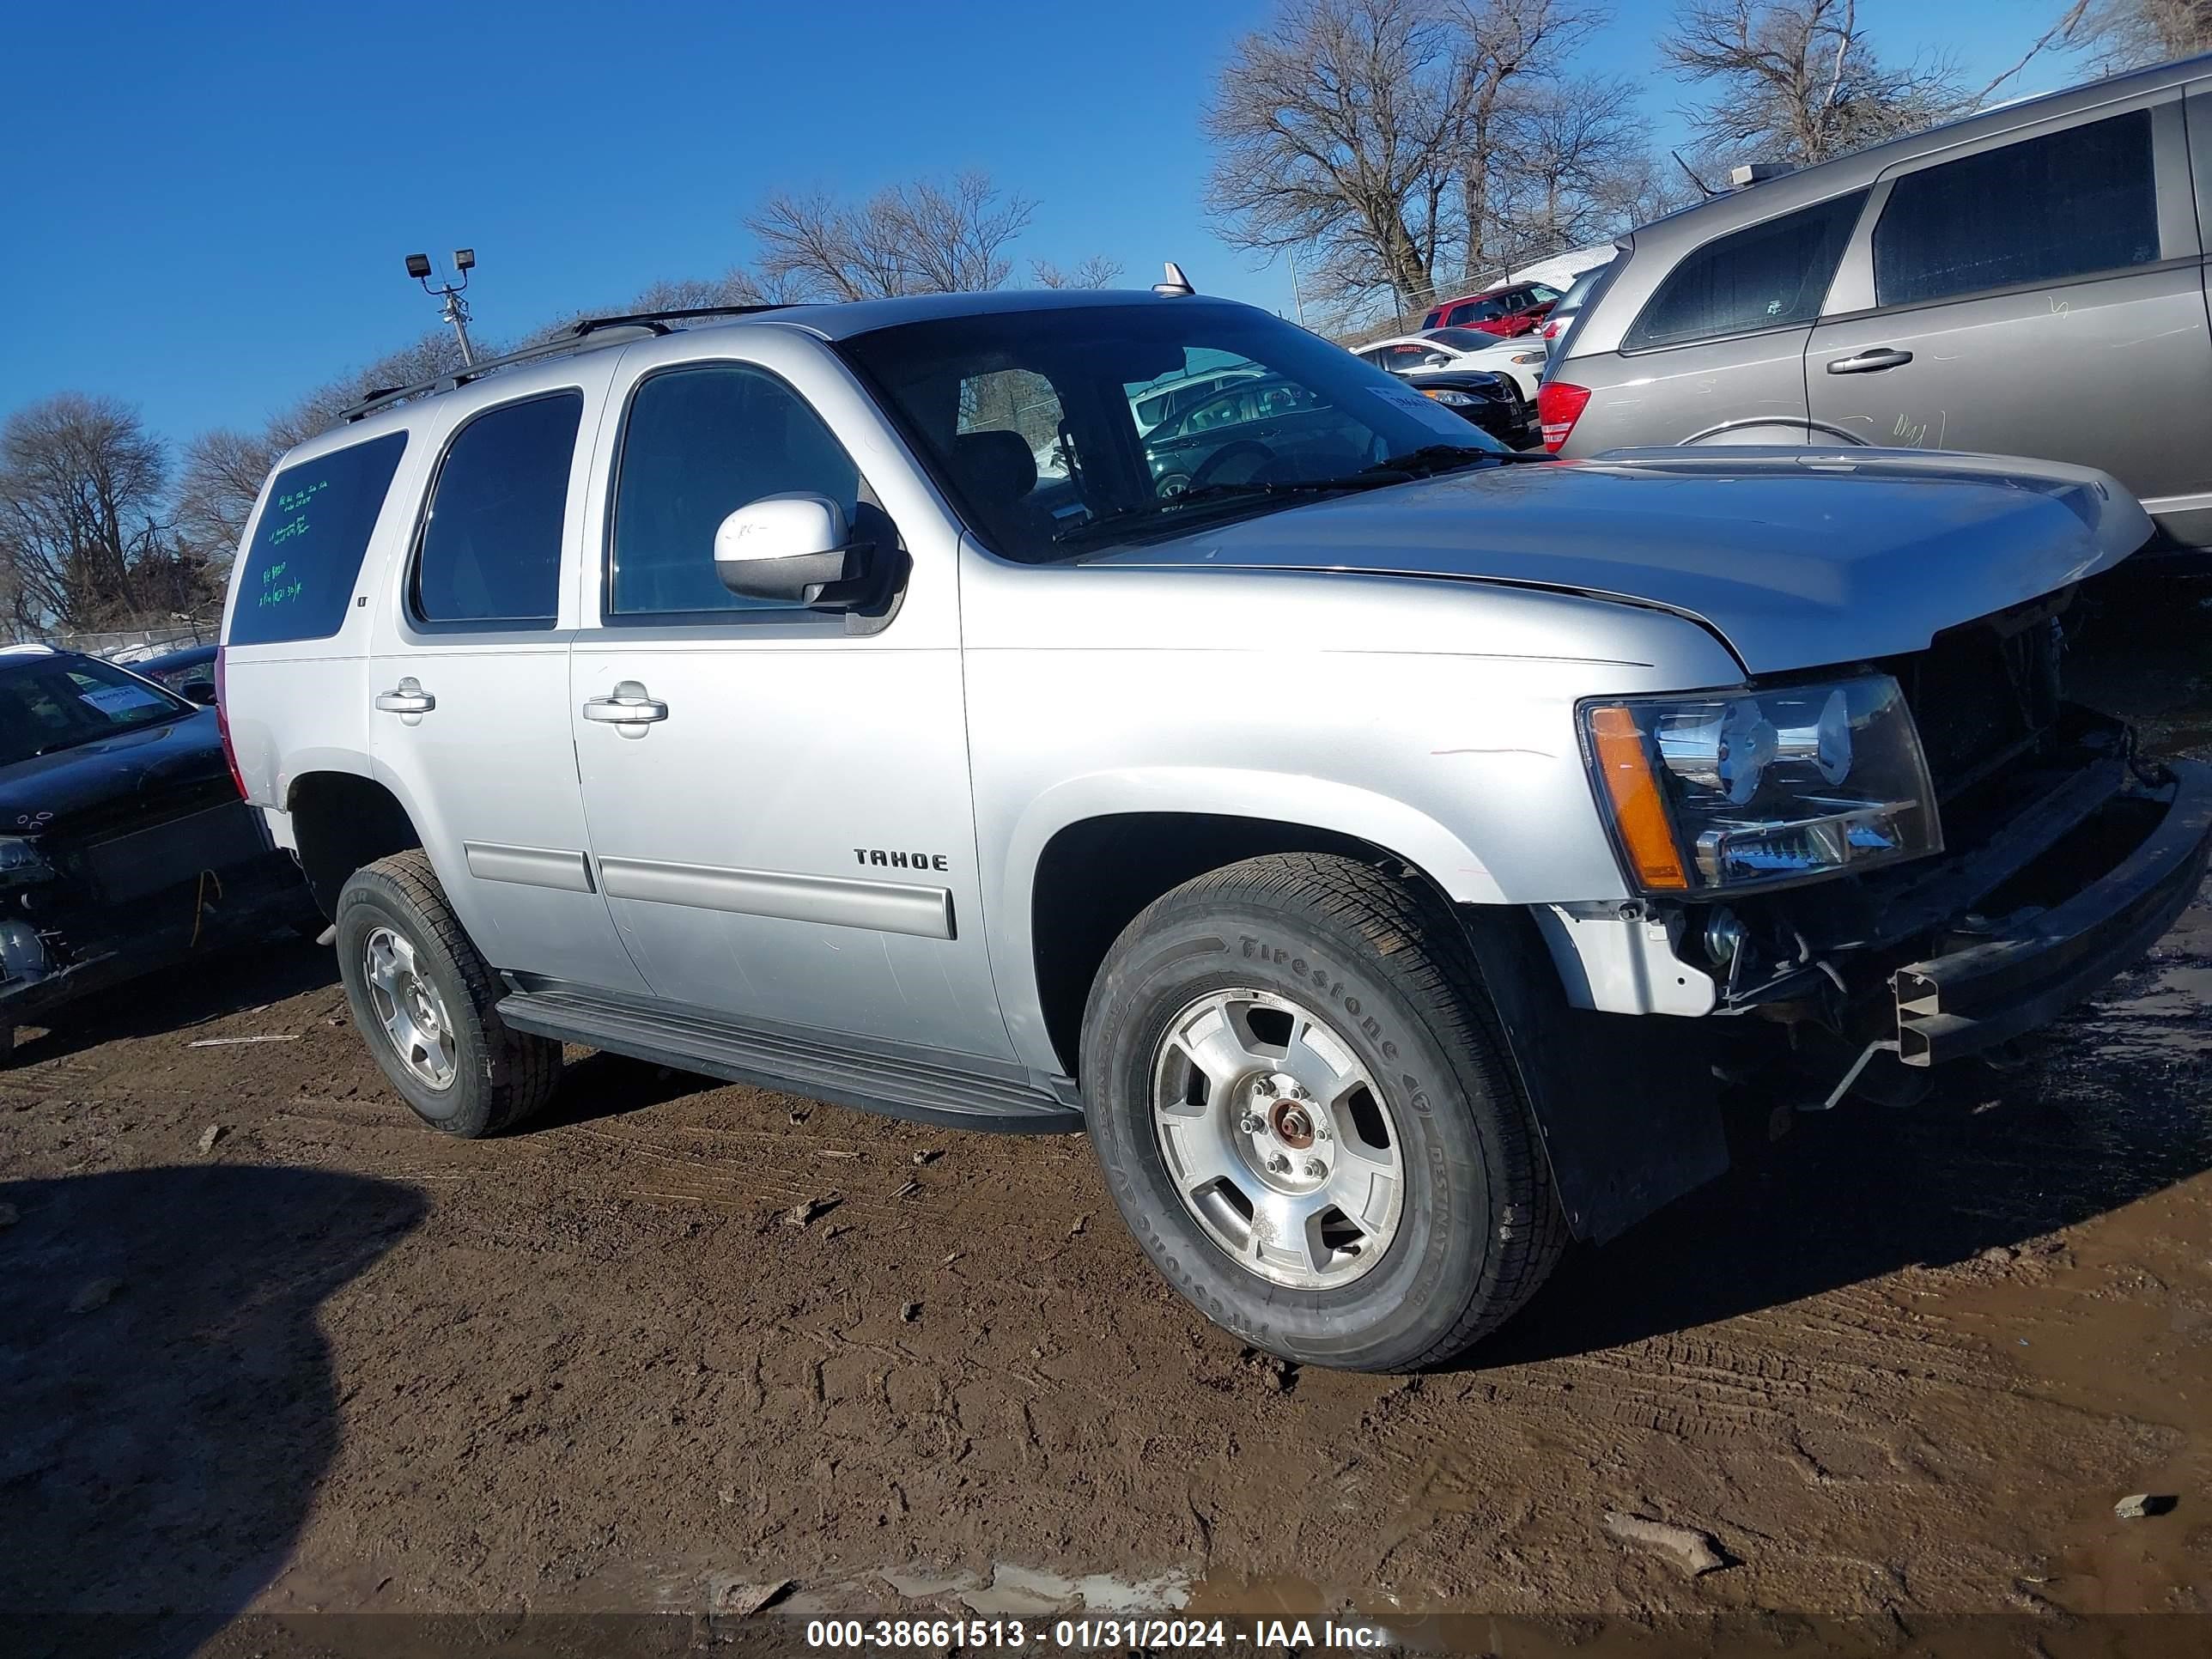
[
  {"x": 305, "y": 556},
  {"x": 698, "y": 444},
  {"x": 50, "y": 702},
  {"x": 1766, "y": 276},
  {"x": 491, "y": 542},
  {"x": 1150, "y": 417},
  {"x": 2042, "y": 211}
]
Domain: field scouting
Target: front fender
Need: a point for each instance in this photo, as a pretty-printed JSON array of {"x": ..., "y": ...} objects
[{"x": 1312, "y": 803}]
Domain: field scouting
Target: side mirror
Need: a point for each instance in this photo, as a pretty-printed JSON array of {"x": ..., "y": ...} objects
[
  {"x": 1435, "y": 360},
  {"x": 796, "y": 548},
  {"x": 199, "y": 691}
]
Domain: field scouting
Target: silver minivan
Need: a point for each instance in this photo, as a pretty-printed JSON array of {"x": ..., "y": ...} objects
[{"x": 2026, "y": 282}]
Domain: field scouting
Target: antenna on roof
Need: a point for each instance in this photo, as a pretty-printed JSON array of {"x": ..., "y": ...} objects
[
  {"x": 1175, "y": 283},
  {"x": 1704, "y": 188}
]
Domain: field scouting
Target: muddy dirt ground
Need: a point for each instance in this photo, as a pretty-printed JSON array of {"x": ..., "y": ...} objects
[{"x": 1900, "y": 1364}]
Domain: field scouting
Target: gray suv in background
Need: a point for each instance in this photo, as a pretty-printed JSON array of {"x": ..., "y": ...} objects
[{"x": 2029, "y": 282}]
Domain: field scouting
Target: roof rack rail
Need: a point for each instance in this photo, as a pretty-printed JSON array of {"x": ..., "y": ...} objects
[{"x": 579, "y": 336}]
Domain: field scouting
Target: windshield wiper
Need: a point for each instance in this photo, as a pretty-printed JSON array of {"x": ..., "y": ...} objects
[{"x": 1431, "y": 458}]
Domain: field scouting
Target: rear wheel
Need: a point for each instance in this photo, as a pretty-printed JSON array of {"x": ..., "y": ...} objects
[
  {"x": 426, "y": 1003},
  {"x": 1304, "y": 1113}
]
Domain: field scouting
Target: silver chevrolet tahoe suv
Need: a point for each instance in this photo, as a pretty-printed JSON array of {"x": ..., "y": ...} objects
[{"x": 1377, "y": 842}]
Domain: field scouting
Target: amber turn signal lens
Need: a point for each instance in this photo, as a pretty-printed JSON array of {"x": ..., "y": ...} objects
[{"x": 1637, "y": 810}]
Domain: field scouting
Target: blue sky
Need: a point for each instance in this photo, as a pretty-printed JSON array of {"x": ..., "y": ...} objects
[{"x": 207, "y": 207}]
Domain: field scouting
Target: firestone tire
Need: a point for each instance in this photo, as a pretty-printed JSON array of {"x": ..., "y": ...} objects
[
  {"x": 1380, "y": 969},
  {"x": 410, "y": 969}
]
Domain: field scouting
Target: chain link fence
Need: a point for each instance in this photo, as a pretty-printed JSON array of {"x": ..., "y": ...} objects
[{"x": 134, "y": 644}]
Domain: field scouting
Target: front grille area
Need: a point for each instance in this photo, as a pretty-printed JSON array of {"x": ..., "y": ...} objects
[{"x": 1985, "y": 691}]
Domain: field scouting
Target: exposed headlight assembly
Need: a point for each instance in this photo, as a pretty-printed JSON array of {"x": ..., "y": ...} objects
[
  {"x": 1755, "y": 788},
  {"x": 1454, "y": 400}
]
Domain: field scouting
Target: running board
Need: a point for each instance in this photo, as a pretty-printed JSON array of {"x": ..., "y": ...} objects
[{"x": 962, "y": 1091}]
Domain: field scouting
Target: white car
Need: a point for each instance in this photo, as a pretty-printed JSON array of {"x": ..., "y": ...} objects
[{"x": 1519, "y": 360}]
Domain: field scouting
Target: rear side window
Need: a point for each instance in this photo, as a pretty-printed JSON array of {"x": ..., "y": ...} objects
[
  {"x": 2042, "y": 211},
  {"x": 491, "y": 542},
  {"x": 306, "y": 551},
  {"x": 700, "y": 443},
  {"x": 1766, "y": 276}
]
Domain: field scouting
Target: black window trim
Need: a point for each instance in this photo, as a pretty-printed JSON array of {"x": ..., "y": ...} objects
[
  {"x": 1850, "y": 235},
  {"x": 411, "y": 591},
  {"x": 799, "y": 619}
]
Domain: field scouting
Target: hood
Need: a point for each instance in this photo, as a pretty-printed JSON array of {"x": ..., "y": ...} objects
[
  {"x": 118, "y": 783},
  {"x": 1794, "y": 558}
]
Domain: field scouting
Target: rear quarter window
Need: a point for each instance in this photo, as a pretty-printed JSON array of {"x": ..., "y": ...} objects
[
  {"x": 1764, "y": 276},
  {"x": 306, "y": 554}
]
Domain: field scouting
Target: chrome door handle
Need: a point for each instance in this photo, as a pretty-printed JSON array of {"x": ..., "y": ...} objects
[
  {"x": 1869, "y": 362},
  {"x": 628, "y": 706},
  {"x": 408, "y": 697}
]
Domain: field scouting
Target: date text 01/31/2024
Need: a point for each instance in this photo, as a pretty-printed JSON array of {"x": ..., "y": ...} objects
[{"x": 1264, "y": 1635}]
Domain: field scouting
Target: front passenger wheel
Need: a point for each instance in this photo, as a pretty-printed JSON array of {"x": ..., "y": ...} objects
[
  {"x": 1304, "y": 1111},
  {"x": 426, "y": 1003}
]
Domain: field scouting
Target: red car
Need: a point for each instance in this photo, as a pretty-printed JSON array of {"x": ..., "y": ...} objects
[{"x": 1505, "y": 312}]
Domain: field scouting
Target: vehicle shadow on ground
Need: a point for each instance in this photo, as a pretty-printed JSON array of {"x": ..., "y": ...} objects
[
  {"x": 166, "y": 1401},
  {"x": 2114, "y": 1110},
  {"x": 601, "y": 1085},
  {"x": 206, "y": 988}
]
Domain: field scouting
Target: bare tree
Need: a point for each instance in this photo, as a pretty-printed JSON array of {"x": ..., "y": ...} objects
[
  {"x": 1337, "y": 130},
  {"x": 1501, "y": 48},
  {"x": 925, "y": 236},
  {"x": 1096, "y": 271},
  {"x": 80, "y": 483},
  {"x": 1798, "y": 81},
  {"x": 2125, "y": 34},
  {"x": 223, "y": 472},
  {"x": 224, "y": 469},
  {"x": 1573, "y": 145}
]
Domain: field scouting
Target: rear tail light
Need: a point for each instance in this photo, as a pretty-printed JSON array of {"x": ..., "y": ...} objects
[
  {"x": 1551, "y": 329},
  {"x": 1559, "y": 407},
  {"x": 223, "y": 722}
]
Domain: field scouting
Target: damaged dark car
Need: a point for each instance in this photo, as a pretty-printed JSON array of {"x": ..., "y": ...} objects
[{"x": 124, "y": 844}]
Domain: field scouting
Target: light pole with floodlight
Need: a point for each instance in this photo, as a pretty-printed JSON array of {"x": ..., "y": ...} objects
[{"x": 457, "y": 308}]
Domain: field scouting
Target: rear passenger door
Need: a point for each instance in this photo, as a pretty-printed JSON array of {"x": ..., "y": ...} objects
[
  {"x": 1720, "y": 345},
  {"x": 2040, "y": 295},
  {"x": 469, "y": 674}
]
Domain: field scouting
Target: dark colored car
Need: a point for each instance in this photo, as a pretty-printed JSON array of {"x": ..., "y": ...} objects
[
  {"x": 1505, "y": 312},
  {"x": 183, "y": 672},
  {"x": 125, "y": 846},
  {"x": 1269, "y": 420}
]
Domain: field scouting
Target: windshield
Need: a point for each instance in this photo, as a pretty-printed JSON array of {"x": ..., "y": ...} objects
[
  {"x": 1463, "y": 339},
  {"x": 1047, "y": 429},
  {"x": 58, "y": 703}
]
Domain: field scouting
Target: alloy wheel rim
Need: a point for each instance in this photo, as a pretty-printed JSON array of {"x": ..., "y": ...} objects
[
  {"x": 1276, "y": 1140},
  {"x": 409, "y": 1008}
]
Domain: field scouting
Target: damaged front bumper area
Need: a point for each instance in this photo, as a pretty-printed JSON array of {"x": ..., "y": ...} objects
[
  {"x": 2000, "y": 979},
  {"x": 77, "y": 919},
  {"x": 2060, "y": 880}
]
